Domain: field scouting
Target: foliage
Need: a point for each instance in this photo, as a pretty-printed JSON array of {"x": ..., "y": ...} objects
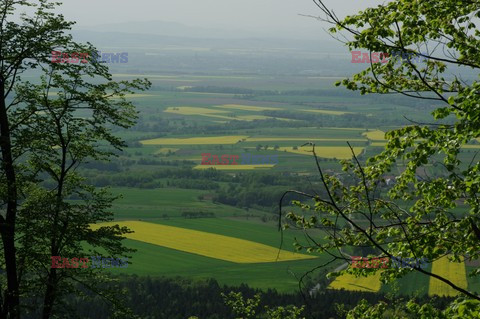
[
  {"x": 48, "y": 129},
  {"x": 249, "y": 308},
  {"x": 421, "y": 215}
]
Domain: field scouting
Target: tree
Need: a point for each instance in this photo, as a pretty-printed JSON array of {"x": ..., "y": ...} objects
[
  {"x": 420, "y": 216},
  {"x": 250, "y": 308},
  {"x": 47, "y": 130}
]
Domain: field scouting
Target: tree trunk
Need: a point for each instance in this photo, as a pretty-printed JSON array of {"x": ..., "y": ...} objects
[
  {"x": 10, "y": 307},
  {"x": 50, "y": 294}
]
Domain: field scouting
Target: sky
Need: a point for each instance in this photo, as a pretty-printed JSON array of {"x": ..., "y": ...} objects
[{"x": 267, "y": 15}]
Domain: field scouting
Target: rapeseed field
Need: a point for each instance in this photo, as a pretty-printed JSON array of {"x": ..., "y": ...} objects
[
  {"x": 455, "y": 272},
  {"x": 376, "y": 135},
  {"x": 205, "y": 244},
  {"x": 350, "y": 282},
  {"x": 338, "y": 152},
  {"x": 247, "y": 107}
]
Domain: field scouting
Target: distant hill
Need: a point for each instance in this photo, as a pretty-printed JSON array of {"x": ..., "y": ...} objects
[{"x": 172, "y": 29}]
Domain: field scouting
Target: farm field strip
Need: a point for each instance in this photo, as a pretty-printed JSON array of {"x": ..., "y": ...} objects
[
  {"x": 376, "y": 135},
  {"x": 455, "y": 272},
  {"x": 232, "y": 139},
  {"x": 248, "y": 107},
  {"x": 190, "y": 110},
  {"x": 306, "y": 139},
  {"x": 339, "y": 152},
  {"x": 235, "y": 167},
  {"x": 201, "y": 111},
  {"x": 329, "y": 112},
  {"x": 165, "y": 150},
  {"x": 205, "y": 244},
  {"x": 351, "y": 283},
  {"x": 379, "y": 144}
]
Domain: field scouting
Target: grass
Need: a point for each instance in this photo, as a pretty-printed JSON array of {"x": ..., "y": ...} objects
[
  {"x": 153, "y": 203},
  {"x": 376, "y": 135},
  {"x": 412, "y": 284},
  {"x": 455, "y": 272},
  {"x": 206, "y": 244},
  {"x": 165, "y": 150},
  {"x": 338, "y": 152},
  {"x": 153, "y": 260},
  {"x": 351, "y": 283},
  {"x": 378, "y": 144},
  {"x": 248, "y": 107},
  {"x": 233, "y": 139}
]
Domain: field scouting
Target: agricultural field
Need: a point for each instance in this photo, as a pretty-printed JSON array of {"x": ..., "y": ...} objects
[
  {"x": 376, "y": 135},
  {"x": 413, "y": 283},
  {"x": 337, "y": 152},
  {"x": 161, "y": 181},
  {"x": 454, "y": 272},
  {"x": 195, "y": 140},
  {"x": 206, "y": 244},
  {"x": 350, "y": 282},
  {"x": 235, "y": 167}
]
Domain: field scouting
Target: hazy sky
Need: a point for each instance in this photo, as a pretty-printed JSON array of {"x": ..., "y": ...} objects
[{"x": 239, "y": 14}]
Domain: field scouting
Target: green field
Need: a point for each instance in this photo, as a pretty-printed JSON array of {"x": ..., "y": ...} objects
[{"x": 155, "y": 177}]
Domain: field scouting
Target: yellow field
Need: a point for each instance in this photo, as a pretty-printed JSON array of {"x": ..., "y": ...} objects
[
  {"x": 248, "y": 107},
  {"x": 234, "y": 167},
  {"x": 471, "y": 146},
  {"x": 339, "y": 152},
  {"x": 201, "y": 111},
  {"x": 252, "y": 117},
  {"x": 195, "y": 140},
  {"x": 376, "y": 135},
  {"x": 190, "y": 110},
  {"x": 205, "y": 244},
  {"x": 455, "y": 272},
  {"x": 303, "y": 139},
  {"x": 165, "y": 150},
  {"x": 329, "y": 112},
  {"x": 351, "y": 283}
]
